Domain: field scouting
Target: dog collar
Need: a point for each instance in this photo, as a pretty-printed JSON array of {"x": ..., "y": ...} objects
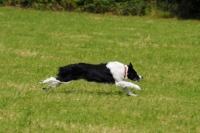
[{"x": 125, "y": 72}]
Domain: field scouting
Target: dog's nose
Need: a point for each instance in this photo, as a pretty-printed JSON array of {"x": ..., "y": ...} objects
[{"x": 140, "y": 77}]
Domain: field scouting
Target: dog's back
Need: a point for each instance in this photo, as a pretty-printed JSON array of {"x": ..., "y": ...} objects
[{"x": 90, "y": 72}]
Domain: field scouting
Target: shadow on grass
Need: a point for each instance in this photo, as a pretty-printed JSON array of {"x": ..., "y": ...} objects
[{"x": 93, "y": 92}]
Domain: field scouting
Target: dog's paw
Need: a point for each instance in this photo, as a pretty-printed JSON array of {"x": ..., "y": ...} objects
[
  {"x": 137, "y": 88},
  {"x": 132, "y": 95}
]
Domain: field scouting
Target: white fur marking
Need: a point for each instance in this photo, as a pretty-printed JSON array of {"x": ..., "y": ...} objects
[
  {"x": 54, "y": 82},
  {"x": 124, "y": 84},
  {"x": 51, "y": 79},
  {"x": 117, "y": 70}
]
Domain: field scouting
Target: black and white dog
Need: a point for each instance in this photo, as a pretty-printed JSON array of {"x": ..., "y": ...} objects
[{"x": 112, "y": 72}]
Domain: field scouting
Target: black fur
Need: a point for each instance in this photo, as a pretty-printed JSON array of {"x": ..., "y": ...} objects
[{"x": 90, "y": 72}]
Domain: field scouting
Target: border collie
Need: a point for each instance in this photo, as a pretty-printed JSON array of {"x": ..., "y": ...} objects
[{"x": 111, "y": 72}]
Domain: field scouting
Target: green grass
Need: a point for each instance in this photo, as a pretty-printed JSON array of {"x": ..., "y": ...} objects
[{"x": 33, "y": 44}]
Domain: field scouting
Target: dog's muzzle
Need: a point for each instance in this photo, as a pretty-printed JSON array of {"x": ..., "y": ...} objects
[{"x": 140, "y": 77}]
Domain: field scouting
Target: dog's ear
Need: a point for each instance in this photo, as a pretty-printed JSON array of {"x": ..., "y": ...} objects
[{"x": 130, "y": 64}]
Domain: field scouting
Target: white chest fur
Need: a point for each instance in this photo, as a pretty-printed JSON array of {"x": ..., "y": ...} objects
[{"x": 117, "y": 70}]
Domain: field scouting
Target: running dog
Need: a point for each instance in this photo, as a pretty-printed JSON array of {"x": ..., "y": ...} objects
[{"x": 111, "y": 72}]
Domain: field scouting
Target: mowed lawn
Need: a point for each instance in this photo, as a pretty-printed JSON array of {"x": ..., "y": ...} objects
[{"x": 33, "y": 44}]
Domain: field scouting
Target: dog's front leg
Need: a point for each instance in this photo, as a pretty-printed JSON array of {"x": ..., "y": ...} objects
[
  {"x": 125, "y": 84},
  {"x": 128, "y": 92}
]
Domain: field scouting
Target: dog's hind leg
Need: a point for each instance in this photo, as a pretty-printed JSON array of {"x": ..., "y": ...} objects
[
  {"x": 51, "y": 79},
  {"x": 52, "y": 85}
]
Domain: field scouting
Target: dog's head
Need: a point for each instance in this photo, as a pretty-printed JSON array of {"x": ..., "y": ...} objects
[{"x": 132, "y": 74}]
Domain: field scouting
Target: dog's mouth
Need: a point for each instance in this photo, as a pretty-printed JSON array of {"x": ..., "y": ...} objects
[{"x": 137, "y": 80}]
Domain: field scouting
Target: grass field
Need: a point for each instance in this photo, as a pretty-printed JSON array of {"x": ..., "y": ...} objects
[{"x": 33, "y": 44}]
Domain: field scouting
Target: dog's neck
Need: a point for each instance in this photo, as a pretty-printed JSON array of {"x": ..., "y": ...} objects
[{"x": 125, "y": 71}]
